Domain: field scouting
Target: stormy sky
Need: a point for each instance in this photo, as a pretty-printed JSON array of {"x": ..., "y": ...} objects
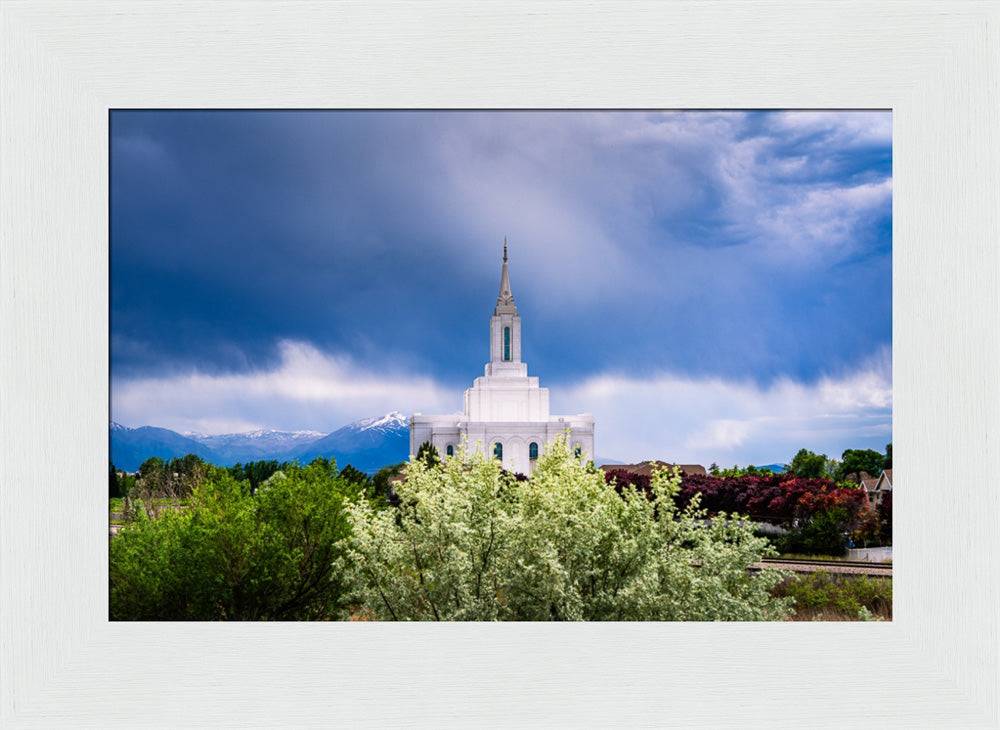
[{"x": 712, "y": 286}]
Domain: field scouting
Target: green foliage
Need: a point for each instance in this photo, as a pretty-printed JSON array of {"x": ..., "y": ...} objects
[
  {"x": 235, "y": 555},
  {"x": 119, "y": 485},
  {"x": 255, "y": 473},
  {"x": 841, "y": 595},
  {"x": 808, "y": 465},
  {"x": 428, "y": 454},
  {"x": 821, "y": 535},
  {"x": 380, "y": 488},
  {"x": 738, "y": 471},
  {"x": 887, "y": 463},
  {"x": 354, "y": 476},
  {"x": 174, "y": 478},
  {"x": 151, "y": 465},
  {"x": 855, "y": 461},
  {"x": 470, "y": 542}
]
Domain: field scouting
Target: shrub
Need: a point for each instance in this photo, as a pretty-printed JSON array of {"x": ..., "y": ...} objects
[
  {"x": 469, "y": 542},
  {"x": 826, "y": 595},
  {"x": 235, "y": 555},
  {"x": 822, "y": 535}
]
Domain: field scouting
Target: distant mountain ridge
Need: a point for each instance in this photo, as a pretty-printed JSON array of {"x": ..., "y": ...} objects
[
  {"x": 254, "y": 445},
  {"x": 132, "y": 446},
  {"x": 368, "y": 444}
]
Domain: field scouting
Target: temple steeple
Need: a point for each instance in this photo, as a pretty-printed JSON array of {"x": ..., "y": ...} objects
[
  {"x": 505, "y": 301},
  {"x": 505, "y": 331},
  {"x": 505, "y": 412}
]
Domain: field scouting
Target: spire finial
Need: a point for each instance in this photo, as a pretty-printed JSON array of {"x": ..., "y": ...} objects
[{"x": 506, "y": 299}]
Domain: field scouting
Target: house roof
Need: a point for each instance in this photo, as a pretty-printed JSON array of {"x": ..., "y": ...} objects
[
  {"x": 884, "y": 482},
  {"x": 868, "y": 484},
  {"x": 646, "y": 467}
]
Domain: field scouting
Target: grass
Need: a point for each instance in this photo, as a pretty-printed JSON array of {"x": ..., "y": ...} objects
[
  {"x": 823, "y": 596},
  {"x": 804, "y": 556}
]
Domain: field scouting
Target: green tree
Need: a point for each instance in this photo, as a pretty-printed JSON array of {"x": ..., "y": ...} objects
[
  {"x": 824, "y": 534},
  {"x": 354, "y": 476},
  {"x": 470, "y": 542},
  {"x": 255, "y": 473},
  {"x": 855, "y": 461},
  {"x": 233, "y": 555},
  {"x": 887, "y": 464},
  {"x": 808, "y": 465},
  {"x": 428, "y": 454}
]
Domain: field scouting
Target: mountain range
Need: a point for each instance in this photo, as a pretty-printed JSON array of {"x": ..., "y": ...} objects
[{"x": 367, "y": 445}]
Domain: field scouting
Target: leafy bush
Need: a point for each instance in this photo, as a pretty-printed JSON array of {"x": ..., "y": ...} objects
[
  {"x": 255, "y": 473},
  {"x": 822, "y": 535},
  {"x": 235, "y": 555},
  {"x": 779, "y": 498},
  {"x": 822, "y": 594},
  {"x": 885, "y": 519},
  {"x": 470, "y": 542}
]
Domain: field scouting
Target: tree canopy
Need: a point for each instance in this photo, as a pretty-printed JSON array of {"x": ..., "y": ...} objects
[
  {"x": 855, "y": 461},
  {"x": 470, "y": 542},
  {"x": 428, "y": 453},
  {"x": 236, "y": 554},
  {"x": 808, "y": 465}
]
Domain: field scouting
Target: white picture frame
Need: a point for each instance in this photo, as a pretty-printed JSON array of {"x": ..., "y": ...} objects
[{"x": 64, "y": 64}]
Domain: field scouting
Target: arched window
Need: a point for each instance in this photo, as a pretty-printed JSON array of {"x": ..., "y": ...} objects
[
  {"x": 450, "y": 450},
  {"x": 578, "y": 451},
  {"x": 498, "y": 450},
  {"x": 533, "y": 450},
  {"x": 506, "y": 343}
]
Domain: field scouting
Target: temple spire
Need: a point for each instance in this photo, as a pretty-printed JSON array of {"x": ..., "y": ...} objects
[{"x": 506, "y": 300}]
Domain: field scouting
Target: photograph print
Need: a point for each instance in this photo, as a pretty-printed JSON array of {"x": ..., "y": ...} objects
[{"x": 500, "y": 365}]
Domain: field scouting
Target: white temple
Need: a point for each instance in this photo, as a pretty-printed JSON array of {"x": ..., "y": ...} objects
[{"x": 505, "y": 410}]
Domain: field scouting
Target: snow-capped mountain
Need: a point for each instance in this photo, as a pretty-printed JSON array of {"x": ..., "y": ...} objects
[
  {"x": 368, "y": 444},
  {"x": 254, "y": 445},
  {"x": 388, "y": 423},
  {"x": 132, "y": 446}
]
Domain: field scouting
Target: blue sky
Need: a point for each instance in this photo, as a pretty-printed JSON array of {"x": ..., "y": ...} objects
[{"x": 712, "y": 286}]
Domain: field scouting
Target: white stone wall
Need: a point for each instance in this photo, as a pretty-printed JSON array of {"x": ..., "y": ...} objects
[
  {"x": 497, "y": 398},
  {"x": 514, "y": 436}
]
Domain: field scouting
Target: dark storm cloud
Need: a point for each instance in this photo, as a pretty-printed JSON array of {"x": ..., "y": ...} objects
[
  {"x": 745, "y": 246},
  {"x": 231, "y": 230}
]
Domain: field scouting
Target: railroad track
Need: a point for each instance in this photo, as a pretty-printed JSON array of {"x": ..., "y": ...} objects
[{"x": 856, "y": 567}]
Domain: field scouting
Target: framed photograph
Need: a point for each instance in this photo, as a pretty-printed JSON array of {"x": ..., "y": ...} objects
[{"x": 66, "y": 65}]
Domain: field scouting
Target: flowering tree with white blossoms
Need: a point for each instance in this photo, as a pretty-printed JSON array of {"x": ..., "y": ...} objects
[{"x": 470, "y": 542}]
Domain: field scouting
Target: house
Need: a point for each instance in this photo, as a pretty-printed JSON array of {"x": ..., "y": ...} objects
[
  {"x": 877, "y": 489},
  {"x": 645, "y": 468},
  {"x": 883, "y": 486},
  {"x": 867, "y": 483}
]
